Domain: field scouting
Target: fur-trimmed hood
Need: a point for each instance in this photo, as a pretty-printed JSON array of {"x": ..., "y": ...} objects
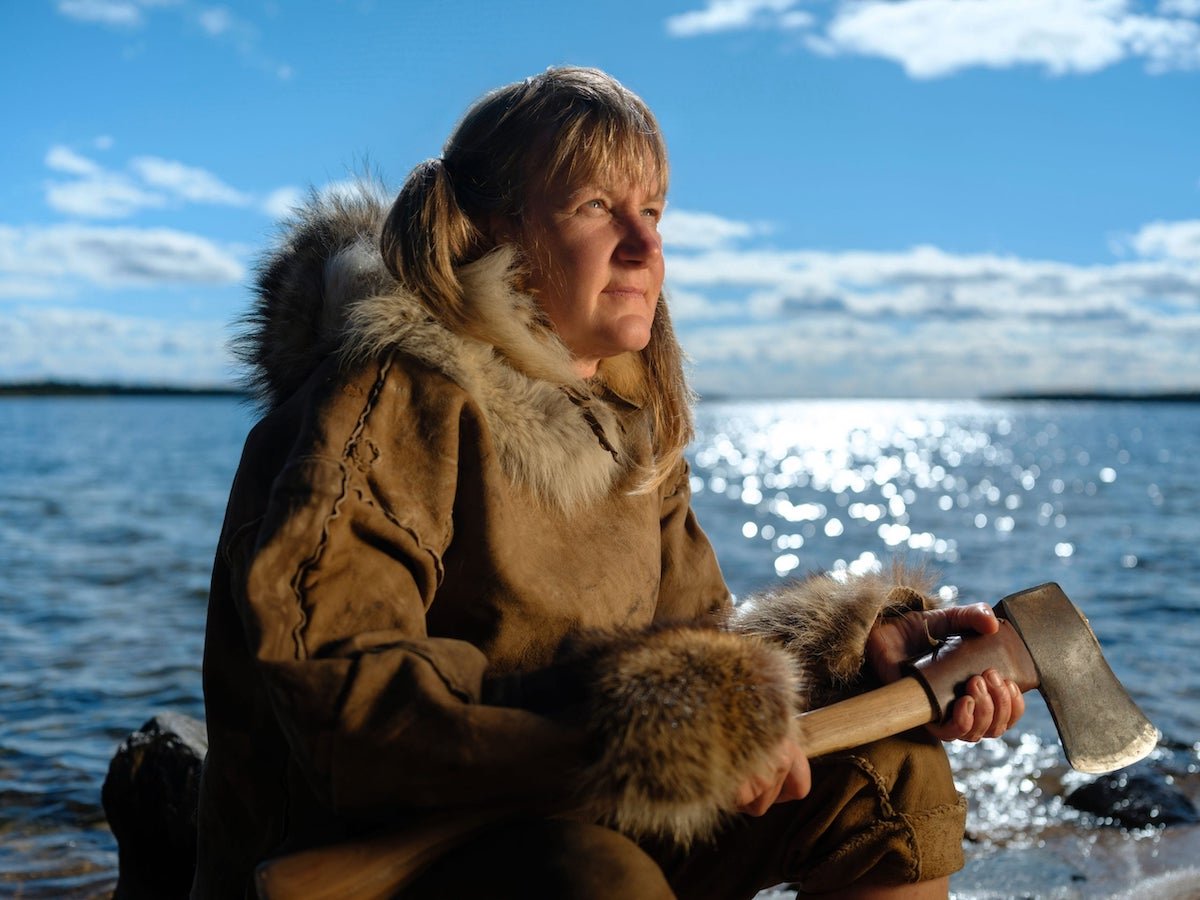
[{"x": 325, "y": 291}]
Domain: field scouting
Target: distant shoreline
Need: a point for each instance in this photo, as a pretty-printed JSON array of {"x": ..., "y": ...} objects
[
  {"x": 80, "y": 389},
  {"x": 107, "y": 389},
  {"x": 1105, "y": 396}
]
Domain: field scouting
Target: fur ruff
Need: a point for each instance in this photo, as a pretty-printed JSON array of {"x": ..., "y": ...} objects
[
  {"x": 824, "y": 620},
  {"x": 679, "y": 719},
  {"x": 325, "y": 290}
]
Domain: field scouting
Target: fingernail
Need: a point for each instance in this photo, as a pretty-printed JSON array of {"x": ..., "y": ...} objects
[{"x": 994, "y": 678}]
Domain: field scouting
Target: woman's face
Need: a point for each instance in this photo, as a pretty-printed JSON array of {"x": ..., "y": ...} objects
[{"x": 597, "y": 266}]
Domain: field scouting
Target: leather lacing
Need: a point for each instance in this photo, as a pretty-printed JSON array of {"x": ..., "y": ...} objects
[{"x": 581, "y": 401}]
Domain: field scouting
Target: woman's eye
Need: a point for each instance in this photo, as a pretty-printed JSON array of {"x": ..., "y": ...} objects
[{"x": 594, "y": 206}]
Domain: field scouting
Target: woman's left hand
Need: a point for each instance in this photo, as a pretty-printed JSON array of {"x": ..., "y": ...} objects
[{"x": 991, "y": 705}]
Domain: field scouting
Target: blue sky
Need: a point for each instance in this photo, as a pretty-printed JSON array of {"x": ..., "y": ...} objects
[{"x": 908, "y": 198}]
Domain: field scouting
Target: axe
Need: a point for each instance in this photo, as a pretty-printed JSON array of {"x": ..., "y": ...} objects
[{"x": 1044, "y": 642}]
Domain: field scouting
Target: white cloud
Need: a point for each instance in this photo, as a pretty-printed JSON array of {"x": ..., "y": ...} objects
[
  {"x": 64, "y": 159},
  {"x": 105, "y": 12},
  {"x": 186, "y": 182},
  {"x": 115, "y": 13},
  {"x": 1170, "y": 240},
  {"x": 841, "y": 356},
  {"x": 927, "y": 284},
  {"x": 1179, "y": 8},
  {"x": 282, "y": 202},
  {"x": 215, "y": 20},
  {"x": 931, "y": 38},
  {"x": 21, "y": 288},
  {"x": 91, "y": 346},
  {"x": 58, "y": 258},
  {"x": 925, "y": 321},
  {"x": 703, "y": 231},
  {"x": 101, "y": 195},
  {"x": 936, "y": 38},
  {"x": 693, "y": 306},
  {"x": 728, "y": 15},
  {"x": 150, "y": 182}
]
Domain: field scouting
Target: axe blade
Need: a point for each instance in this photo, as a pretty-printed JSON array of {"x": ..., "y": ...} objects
[{"x": 1100, "y": 726}]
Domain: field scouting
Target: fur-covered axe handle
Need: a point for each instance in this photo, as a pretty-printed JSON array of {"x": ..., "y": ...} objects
[{"x": 924, "y": 696}]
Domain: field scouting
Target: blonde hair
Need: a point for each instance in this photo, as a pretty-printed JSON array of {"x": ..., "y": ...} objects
[{"x": 557, "y": 129}]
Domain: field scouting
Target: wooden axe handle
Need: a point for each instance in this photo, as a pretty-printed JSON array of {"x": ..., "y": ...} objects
[
  {"x": 868, "y": 717},
  {"x": 373, "y": 868},
  {"x": 924, "y": 696}
]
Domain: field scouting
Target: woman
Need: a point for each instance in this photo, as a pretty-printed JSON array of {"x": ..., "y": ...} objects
[{"x": 459, "y": 570}]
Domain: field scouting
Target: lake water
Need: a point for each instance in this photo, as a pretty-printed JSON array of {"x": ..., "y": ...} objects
[{"x": 110, "y": 508}]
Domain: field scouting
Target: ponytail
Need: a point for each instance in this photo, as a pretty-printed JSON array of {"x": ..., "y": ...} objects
[{"x": 426, "y": 237}]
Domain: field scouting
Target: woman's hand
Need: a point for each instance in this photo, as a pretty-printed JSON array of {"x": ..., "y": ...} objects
[
  {"x": 789, "y": 780},
  {"x": 992, "y": 704}
]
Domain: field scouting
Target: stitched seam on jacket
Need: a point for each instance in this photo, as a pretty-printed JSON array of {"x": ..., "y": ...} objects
[
  {"x": 314, "y": 558},
  {"x": 385, "y": 507},
  {"x": 408, "y": 529},
  {"x": 308, "y": 565}
]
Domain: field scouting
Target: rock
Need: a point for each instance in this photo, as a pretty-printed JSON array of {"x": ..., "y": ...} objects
[
  {"x": 150, "y": 798},
  {"x": 1135, "y": 800}
]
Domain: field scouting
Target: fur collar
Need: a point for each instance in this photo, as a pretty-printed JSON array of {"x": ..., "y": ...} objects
[{"x": 325, "y": 290}]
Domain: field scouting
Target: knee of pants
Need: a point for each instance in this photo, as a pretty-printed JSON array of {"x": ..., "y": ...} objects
[
  {"x": 600, "y": 863},
  {"x": 889, "y": 814}
]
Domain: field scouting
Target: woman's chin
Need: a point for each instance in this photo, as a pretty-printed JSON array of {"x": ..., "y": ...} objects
[
  {"x": 631, "y": 334},
  {"x": 627, "y": 335}
]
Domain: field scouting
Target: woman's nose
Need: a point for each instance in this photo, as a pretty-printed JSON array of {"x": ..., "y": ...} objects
[{"x": 640, "y": 241}]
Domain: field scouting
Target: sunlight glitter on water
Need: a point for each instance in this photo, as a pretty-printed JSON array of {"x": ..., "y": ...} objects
[
  {"x": 869, "y": 463},
  {"x": 915, "y": 478}
]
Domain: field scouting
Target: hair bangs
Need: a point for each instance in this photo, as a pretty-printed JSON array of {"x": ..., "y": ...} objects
[{"x": 608, "y": 147}]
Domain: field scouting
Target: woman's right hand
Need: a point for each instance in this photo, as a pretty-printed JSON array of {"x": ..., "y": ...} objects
[{"x": 790, "y": 779}]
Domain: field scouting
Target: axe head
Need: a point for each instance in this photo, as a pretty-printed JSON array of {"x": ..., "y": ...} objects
[{"x": 1101, "y": 728}]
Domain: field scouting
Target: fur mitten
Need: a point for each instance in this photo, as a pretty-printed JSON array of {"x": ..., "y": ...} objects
[
  {"x": 823, "y": 621},
  {"x": 678, "y": 718}
]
